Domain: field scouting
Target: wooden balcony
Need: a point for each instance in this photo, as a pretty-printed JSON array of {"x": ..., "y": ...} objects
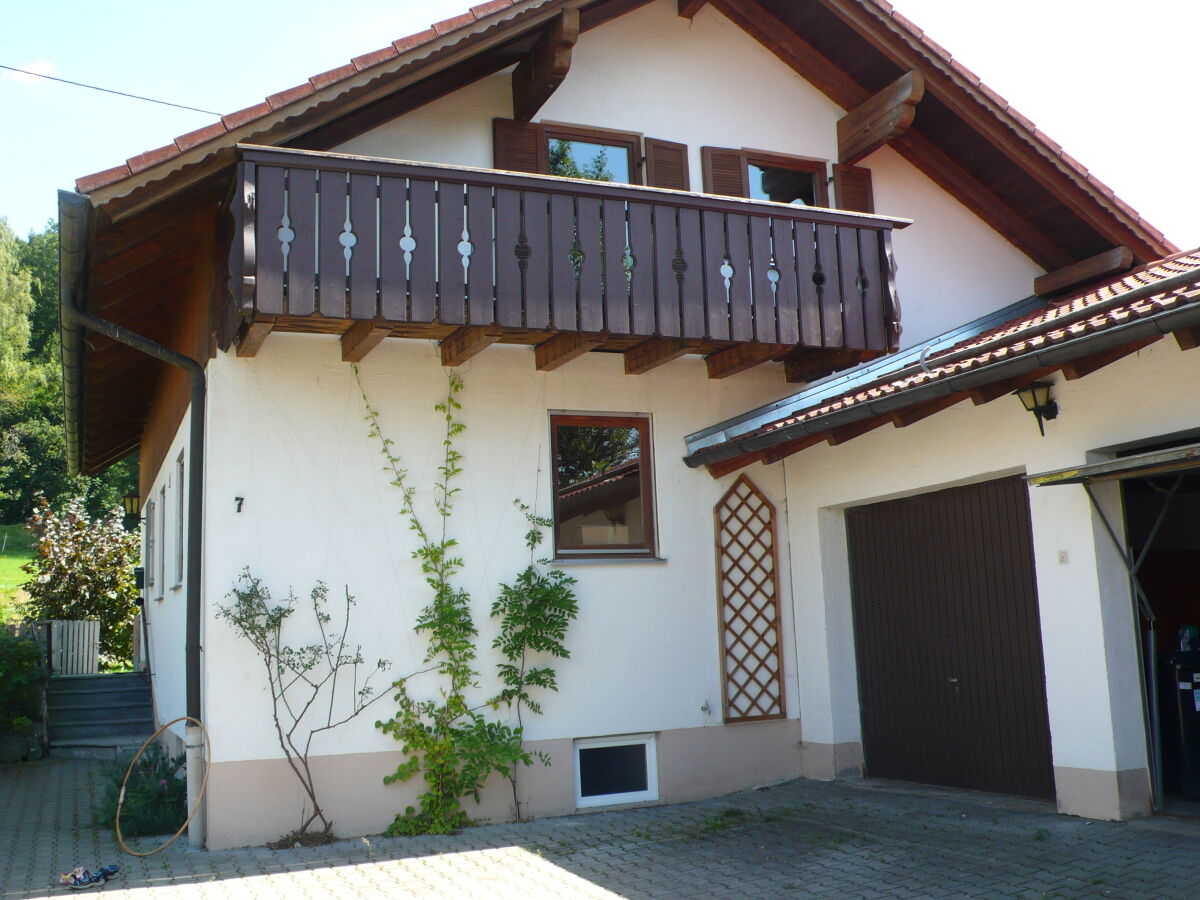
[{"x": 369, "y": 248}]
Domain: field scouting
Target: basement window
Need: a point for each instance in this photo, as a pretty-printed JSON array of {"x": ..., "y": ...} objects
[{"x": 616, "y": 770}]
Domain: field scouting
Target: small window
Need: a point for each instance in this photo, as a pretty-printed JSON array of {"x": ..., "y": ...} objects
[
  {"x": 593, "y": 154},
  {"x": 180, "y": 527},
  {"x": 616, "y": 770},
  {"x": 151, "y": 549},
  {"x": 162, "y": 530},
  {"x": 602, "y": 488},
  {"x": 759, "y": 175}
]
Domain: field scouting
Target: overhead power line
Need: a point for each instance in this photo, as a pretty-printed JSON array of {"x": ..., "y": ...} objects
[{"x": 93, "y": 87}]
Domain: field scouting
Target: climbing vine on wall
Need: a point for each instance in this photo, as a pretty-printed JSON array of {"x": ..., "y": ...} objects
[{"x": 453, "y": 745}]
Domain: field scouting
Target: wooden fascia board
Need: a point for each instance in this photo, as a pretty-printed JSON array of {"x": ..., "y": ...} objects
[
  {"x": 326, "y": 105},
  {"x": 880, "y": 119},
  {"x": 1002, "y": 128},
  {"x": 1110, "y": 262},
  {"x": 539, "y": 74}
]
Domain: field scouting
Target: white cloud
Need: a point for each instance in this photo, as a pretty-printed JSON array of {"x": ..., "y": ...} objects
[{"x": 41, "y": 67}]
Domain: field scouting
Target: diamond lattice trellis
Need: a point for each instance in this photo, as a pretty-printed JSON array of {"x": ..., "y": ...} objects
[{"x": 748, "y": 588}]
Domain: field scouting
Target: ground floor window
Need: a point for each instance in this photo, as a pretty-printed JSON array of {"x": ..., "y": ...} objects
[
  {"x": 615, "y": 770},
  {"x": 602, "y": 489}
]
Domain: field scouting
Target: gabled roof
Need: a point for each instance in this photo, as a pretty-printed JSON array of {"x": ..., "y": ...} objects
[
  {"x": 1078, "y": 335},
  {"x": 966, "y": 137}
]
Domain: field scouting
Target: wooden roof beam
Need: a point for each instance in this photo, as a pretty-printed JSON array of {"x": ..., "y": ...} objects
[
  {"x": 1077, "y": 368},
  {"x": 539, "y": 74},
  {"x": 254, "y": 335},
  {"x": 739, "y": 358},
  {"x": 836, "y": 436},
  {"x": 564, "y": 347},
  {"x": 463, "y": 343},
  {"x": 881, "y": 119},
  {"x": 652, "y": 353},
  {"x": 1188, "y": 338},
  {"x": 1110, "y": 262},
  {"x": 988, "y": 392},
  {"x": 689, "y": 8},
  {"x": 915, "y": 414},
  {"x": 723, "y": 467},
  {"x": 363, "y": 337},
  {"x": 787, "y": 448}
]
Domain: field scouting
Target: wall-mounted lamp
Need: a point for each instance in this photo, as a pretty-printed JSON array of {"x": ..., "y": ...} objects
[
  {"x": 1037, "y": 400},
  {"x": 132, "y": 503}
]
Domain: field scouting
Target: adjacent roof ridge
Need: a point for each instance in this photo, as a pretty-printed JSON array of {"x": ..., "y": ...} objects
[{"x": 273, "y": 102}]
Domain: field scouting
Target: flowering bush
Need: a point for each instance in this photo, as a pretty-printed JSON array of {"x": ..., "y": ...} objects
[
  {"x": 155, "y": 796},
  {"x": 84, "y": 570}
]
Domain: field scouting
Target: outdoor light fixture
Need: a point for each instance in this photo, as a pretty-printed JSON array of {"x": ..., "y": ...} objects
[
  {"x": 132, "y": 503},
  {"x": 1036, "y": 399}
]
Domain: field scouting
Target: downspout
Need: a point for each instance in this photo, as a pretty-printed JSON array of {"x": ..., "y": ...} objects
[{"x": 75, "y": 217}]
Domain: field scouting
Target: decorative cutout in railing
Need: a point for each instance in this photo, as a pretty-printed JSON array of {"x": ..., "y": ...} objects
[{"x": 360, "y": 239}]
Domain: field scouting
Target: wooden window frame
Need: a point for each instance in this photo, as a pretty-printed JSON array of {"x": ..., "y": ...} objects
[
  {"x": 817, "y": 167},
  {"x": 630, "y": 140},
  {"x": 180, "y": 521},
  {"x": 616, "y": 552}
]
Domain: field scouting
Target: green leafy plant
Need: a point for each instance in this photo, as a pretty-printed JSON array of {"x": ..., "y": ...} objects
[
  {"x": 155, "y": 795},
  {"x": 22, "y": 674},
  {"x": 83, "y": 569},
  {"x": 452, "y": 744},
  {"x": 303, "y": 680}
]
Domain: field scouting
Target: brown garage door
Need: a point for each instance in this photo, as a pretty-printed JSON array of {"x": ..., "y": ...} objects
[{"x": 950, "y": 674}]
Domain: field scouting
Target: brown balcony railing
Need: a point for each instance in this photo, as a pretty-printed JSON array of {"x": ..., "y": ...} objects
[{"x": 351, "y": 238}]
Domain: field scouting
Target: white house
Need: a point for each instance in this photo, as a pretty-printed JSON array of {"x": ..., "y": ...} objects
[{"x": 804, "y": 203}]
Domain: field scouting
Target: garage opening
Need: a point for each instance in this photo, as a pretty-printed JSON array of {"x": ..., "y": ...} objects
[
  {"x": 1160, "y": 499},
  {"x": 952, "y": 688}
]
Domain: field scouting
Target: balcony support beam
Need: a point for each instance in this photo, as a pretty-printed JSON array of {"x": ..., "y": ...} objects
[
  {"x": 361, "y": 338},
  {"x": 652, "y": 353},
  {"x": 539, "y": 74},
  {"x": 564, "y": 347},
  {"x": 807, "y": 364},
  {"x": 739, "y": 358},
  {"x": 880, "y": 119},
  {"x": 252, "y": 339},
  {"x": 465, "y": 342}
]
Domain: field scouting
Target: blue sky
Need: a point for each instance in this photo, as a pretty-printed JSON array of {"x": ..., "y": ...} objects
[{"x": 1104, "y": 78}]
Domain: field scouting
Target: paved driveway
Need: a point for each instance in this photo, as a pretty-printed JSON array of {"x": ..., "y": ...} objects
[{"x": 803, "y": 839}]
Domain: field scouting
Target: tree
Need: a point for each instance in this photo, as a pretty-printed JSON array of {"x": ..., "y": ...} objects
[
  {"x": 587, "y": 450},
  {"x": 32, "y": 441},
  {"x": 84, "y": 570},
  {"x": 562, "y": 162}
]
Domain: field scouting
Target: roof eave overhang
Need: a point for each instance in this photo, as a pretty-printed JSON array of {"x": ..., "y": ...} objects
[{"x": 1056, "y": 355}]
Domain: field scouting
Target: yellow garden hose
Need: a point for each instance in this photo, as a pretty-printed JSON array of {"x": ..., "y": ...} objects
[{"x": 199, "y": 796}]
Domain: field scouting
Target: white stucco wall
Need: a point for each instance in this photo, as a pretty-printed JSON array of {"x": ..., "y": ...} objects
[
  {"x": 714, "y": 85},
  {"x": 166, "y": 602},
  {"x": 1089, "y": 643},
  {"x": 293, "y": 443}
]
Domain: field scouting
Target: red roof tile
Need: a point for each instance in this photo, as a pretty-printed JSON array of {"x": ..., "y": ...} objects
[
  {"x": 242, "y": 116},
  {"x": 89, "y": 183},
  {"x": 150, "y": 158},
  {"x": 454, "y": 23},
  {"x": 199, "y": 136},
  {"x": 291, "y": 95},
  {"x": 1024, "y": 335}
]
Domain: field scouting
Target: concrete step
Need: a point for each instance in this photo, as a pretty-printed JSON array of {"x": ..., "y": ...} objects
[
  {"x": 70, "y": 733},
  {"x": 94, "y": 712},
  {"x": 118, "y": 747}
]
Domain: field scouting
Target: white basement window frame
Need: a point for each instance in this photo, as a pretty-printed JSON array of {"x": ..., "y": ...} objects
[{"x": 648, "y": 794}]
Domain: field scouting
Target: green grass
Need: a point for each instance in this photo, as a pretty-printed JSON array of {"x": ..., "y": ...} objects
[{"x": 15, "y": 540}]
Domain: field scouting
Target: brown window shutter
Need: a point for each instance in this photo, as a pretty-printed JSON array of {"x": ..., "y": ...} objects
[
  {"x": 725, "y": 172},
  {"x": 852, "y": 185},
  {"x": 520, "y": 147},
  {"x": 667, "y": 165}
]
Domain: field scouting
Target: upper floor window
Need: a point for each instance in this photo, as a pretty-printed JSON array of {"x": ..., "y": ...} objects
[
  {"x": 603, "y": 504},
  {"x": 782, "y": 178},
  {"x": 599, "y": 154}
]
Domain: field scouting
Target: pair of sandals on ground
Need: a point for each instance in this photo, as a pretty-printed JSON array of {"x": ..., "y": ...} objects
[{"x": 85, "y": 878}]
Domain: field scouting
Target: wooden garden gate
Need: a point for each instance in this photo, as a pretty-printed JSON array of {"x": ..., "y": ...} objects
[{"x": 748, "y": 592}]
